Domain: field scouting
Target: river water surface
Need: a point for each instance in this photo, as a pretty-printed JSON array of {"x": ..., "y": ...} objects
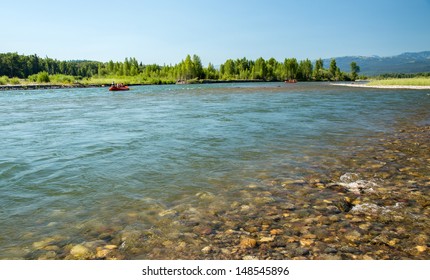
[{"x": 218, "y": 171}]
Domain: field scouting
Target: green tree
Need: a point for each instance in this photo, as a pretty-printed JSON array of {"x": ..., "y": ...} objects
[
  {"x": 126, "y": 67},
  {"x": 111, "y": 67},
  {"x": 291, "y": 68},
  {"x": 260, "y": 69},
  {"x": 243, "y": 69},
  {"x": 355, "y": 69},
  {"x": 198, "y": 68},
  {"x": 210, "y": 72},
  {"x": 271, "y": 69},
  {"x": 319, "y": 67},
  {"x": 333, "y": 68},
  {"x": 305, "y": 69},
  {"x": 188, "y": 68},
  {"x": 228, "y": 69}
]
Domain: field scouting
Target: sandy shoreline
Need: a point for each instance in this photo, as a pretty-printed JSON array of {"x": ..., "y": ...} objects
[{"x": 361, "y": 85}]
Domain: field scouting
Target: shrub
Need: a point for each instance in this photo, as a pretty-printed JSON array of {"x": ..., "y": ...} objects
[
  {"x": 62, "y": 79},
  {"x": 43, "y": 77},
  {"x": 15, "y": 81},
  {"x": 4, "y": 80},
  {"x": 32, "y": 78}
]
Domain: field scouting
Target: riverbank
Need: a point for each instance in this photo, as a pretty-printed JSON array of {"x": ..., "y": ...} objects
[
  {"x": 40, "y": 86},
  {"x": 94, "y": 85},
  {"x": 55, "y": 86}
]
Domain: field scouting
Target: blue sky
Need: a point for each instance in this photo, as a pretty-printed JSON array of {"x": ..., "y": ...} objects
[{"x": 165, "y": 31}]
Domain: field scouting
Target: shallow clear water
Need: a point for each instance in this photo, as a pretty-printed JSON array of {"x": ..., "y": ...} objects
[{"x": 73, "y": 157}]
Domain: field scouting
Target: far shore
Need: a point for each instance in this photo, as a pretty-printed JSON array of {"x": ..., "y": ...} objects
[
  {"x": 365, "y": 85},
  {"x": 57, "y": 86},
  {"x": 359, "y": 84},
  {"x": 82, "y": 85}
]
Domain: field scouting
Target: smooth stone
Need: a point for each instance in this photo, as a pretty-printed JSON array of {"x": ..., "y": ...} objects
[
  {"x": 80, "y": 251},
  {"x": 43, "y": 243},
  {"x": 251, "y": 229},
  {"x": 307, "y": 242},
  {"x": 421, "y": 249},
  {"x": 102, "y": 253},
  {"x": 265, "y": 227},
  {"x": 225, "y": 251},
  {"x": 266, "y": 239},
  {"x": 207, "y": 250},
  {"x": 248, "y": 243},
  {"x": 276, "y": 231}
]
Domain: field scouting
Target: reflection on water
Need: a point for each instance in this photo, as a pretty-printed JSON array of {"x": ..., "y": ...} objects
[{"x": 199, "y": 171}]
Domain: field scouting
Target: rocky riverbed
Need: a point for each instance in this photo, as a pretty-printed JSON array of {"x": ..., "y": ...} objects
[{"x": 370, "y": 203}]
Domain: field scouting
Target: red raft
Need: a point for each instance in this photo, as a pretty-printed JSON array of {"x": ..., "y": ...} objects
[{"x": 118, "y": 88}]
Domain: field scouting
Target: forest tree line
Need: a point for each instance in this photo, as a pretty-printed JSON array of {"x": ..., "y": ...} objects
[{"x": 13, "y": 65}]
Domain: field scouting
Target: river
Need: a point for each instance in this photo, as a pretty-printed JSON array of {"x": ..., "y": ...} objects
[{"x": 181, "y": 171}]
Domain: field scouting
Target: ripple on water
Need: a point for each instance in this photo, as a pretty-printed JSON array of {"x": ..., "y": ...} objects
[{"x": 162, "y": 174}]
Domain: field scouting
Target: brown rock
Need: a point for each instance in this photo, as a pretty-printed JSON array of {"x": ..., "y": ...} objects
[
  {"x": 307, "y": 242},
  {"x": 276, "y": 231},
  {"x": 80, "y": 251},
  {"x": 421, "y": 249},
  {"x": 102, "y": 253},
  {"x": 207, "y": 250},
  {"x": 203, "y": 230},
  {"x": 248, "y": 243},
  {"x": 353, "y": 236},
  {"x": 266, "y": 239}
]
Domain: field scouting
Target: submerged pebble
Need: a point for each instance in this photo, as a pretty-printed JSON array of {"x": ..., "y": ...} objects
[{"x": 370, "y": 203}]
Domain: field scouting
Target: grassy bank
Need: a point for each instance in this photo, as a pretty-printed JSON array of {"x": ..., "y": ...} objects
[
  {"x": 419, "y": 81},
  {"x": 43, "y": 81}
]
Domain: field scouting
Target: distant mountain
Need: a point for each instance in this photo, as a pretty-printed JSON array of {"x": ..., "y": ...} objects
[{"x": 375, "y": 65}]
